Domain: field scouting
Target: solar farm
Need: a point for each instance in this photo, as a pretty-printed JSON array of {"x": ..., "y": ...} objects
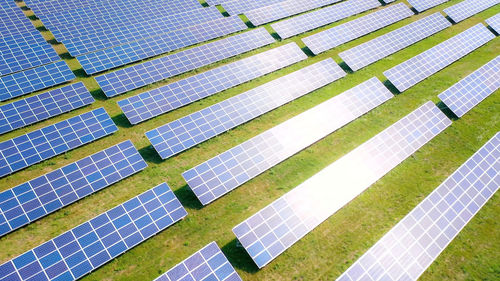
[{"x": 249, "y": 140}]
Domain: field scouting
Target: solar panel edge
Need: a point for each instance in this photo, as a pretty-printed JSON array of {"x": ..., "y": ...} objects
[
  {"x": 421, "y": 6},
  {"x": 494, "y": 23},
  {"x": 455, "y": 12}
]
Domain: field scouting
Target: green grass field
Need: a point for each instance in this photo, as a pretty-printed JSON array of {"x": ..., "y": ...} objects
[{"x": 333, "y": 246}]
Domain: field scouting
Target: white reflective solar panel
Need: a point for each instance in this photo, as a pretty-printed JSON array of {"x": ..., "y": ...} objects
[
  {"x": 230, "y": 169},
  {"x": 494, "y": 22},
  {"x": 470, "y": 91},
  {"x": 239, "y": 7},
  {"x": 422, "y": 5},
  {"x": 278, "y": 226},
  {"x": 416, "y": 69},
  {"x": 410, "y": 247},
  {"x": 356, "y": 28},
  {"x": 468, "y": 8}
]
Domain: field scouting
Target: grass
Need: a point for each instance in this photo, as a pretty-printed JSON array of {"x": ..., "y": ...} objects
[{"x": 333, "y": 246}]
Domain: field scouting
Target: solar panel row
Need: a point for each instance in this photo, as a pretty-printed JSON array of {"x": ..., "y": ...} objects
[
  {"x": 14, "y": 22},
  {"x": 494, "y": 22},
  {"x": 356, "y": 28},
  {"x": 468, "y": 8},
  {"x": 26, "y": 57},
  {"x": 43, "y": 195},
  {"x": 389, "y": 43},
  {"x": 158, "y": 101},
  {"x": 230, "y": 169},
  {"x": 416, "y": 69},
  {"x": 16, "y": 42},
  {"x": 197, "y": 127},
  {"x": 240, "y": 7},
  {"x": 31, "y": 148},
  {"x": 139, "y": 75},
  {"x": 86, "y": 247},
  {"x": 405, "y": 252},
  {"x": 422, "y": 5},
  {"x": 278, "y": 226}
]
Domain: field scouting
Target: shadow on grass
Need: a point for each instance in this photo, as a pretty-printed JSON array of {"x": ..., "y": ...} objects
[
  {"x": 41, "y": 28},
  {"x": 187, "y": 198},
  {"x": 308, "y": 51},
  {"x": 121, "y": 121},
  {"x": 493, "y": 31},
  {"x": 150, "y": 155},
  {"x": 345, "y": 67},
  {"x": 54, "y": 42},
  {"x": 447, "y": 111},
  {"x": 391, "y": 87},
  {"x": 98, "y": 94},
  {"x": 452, "y": 21},
  {"x": 80, "y": 73},
  {"x": 276, "y": 36},
  {"x": 66, "y": 56},
  {"x": 238, "y": 257},
  {"x": 414, "y": 11},
  {"x": 24, "y": 8}
]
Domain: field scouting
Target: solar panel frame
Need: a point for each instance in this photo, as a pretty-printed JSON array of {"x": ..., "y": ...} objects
[
  {"x": 422, "y": 5},
  {"x": 219, "y": 175},
  {"x": 494, "y": 23},
  {"x": 43, "y": 195},
  {"x": 410, "y": 247},
  {"x": 26, "y": 58},
  {"x": 468, "y": 8},
  {"x": 239, "y": 7},
  {"x": 275, "y": 228}
]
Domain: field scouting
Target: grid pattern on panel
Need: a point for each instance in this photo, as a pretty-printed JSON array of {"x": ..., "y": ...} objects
[
  {"x": 86, "y": 247},
  {"x": 494, "y": 22},
  {"x": 230, "y": 169},
  {"x": 468, "y": 8},
  {"x": 416, "y": 69},
  {"x": 169, "y": 97},
  {"x": 410, "y": 247},
  {"x": 40, "y": 107},
  {"x": 209, "y": 263},
  {"x": 138, "y": 50},
  {"x": 422, "y": 5},
  {"x": 13, "y": 22},
  {"x": 133, "y": 77},
  {"x": 239, "y": 7},
  {"x": 309, "y": 21},
  {"x": 356, "y": 28},
  {"x": 16, "y": 42},
  {"x": 389, "y": 43},
  {"x": 26, "y": 150},
  {"x": 35, "y": 79},
  {"x": 197, "y": 127},
  {"x": 41, "y": 196},
  {"x": 284, "y": 9},
  {"x": 278, "y": 226},
  {"x": 470, "y": 91},
  {"x": 26, "y": 57}
]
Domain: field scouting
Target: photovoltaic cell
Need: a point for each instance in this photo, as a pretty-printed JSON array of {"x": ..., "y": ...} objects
[
  {"x": 169, "y": 97},
  {"x": 230, "y": 169},
  {"x": 86, "y": 247},
  {"x": 278, "y": 226},
  {"x": 41, "y": 196},
  {"x": 410, "y": 247},
  {"x": 468, "y": 8},
  {"x": 35, "y": 79},
  {"x": 470, "y": 91},
  {"x": 309, "y": 21},
  {"x": 133, "y": 77},
  {"x": 356, "y": 28},
  {"x": 26, "y": 150},
  {"x": 494, "y": 22},
  {"x": 40, "y": 107},
  {"x": 389, "y": 43},
  {"x": 197, "y": 127},
  {"x": 422, "y": 5},
  {"x": 239, "y": 7},
  {"x": 209, "y": 263},
  {"x": 416, "y": 69}
]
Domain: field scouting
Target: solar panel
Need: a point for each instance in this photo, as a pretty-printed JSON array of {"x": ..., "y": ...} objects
[
  {"x": 41, "y": 196},
  {"x": 416, "y": 69},
  {"x": 309, "y": 21},
  {"x": 18, "y": 41},
  {"x": 468, "y": 8},
  {"x": 31, "y": 148},
  {"x": 197, "y": 127},
  {"x": 209, "y": 263},
  {"x": 239, "y": 7},
  {"x": 388, "y": 1},
  {"x": 230, "y": 169},
  {"x": 174, "y": 95},
  {"x": 43, "y": 106},
  {"x": 26, "y": 58},
  {"x": 405, "y": 252},
  {"x": 86, "y": 247},
  {"x": 389, "y": 43},
  {"x": 278, "y": 226},
  {"x": 139, "y": 75},
  {"x": 494, "y": 22},
  {"x": 138, "y": 50},
  {"x": 35, "y": 79},
  {"x": 422, "y": 5},
  {"x": 470, "y": 91},
  {"x": 356, "y": 28},
  {"x": 14, "y": 22}
]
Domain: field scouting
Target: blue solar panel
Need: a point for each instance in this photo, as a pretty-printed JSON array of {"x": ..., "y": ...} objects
[
  {"x": 169, "y": 97},
  {"x": 41, "y": 196},
  {"x": 209, "y": 263},
  {"x": 139, "y": 75},
  {"x": 195, "y": 128},
  {"x": 26, "y": 150},
  {"x": 88, "y": 246},
  {"x": 356, "y": 28},
  {"x": 35, "y": 79},
  {"x": 422, "y": 5},
  {"x": 138, "y": 50},
  {"x": 282, "y": 223},
  {"x": 43, "y": 106},
  {"x": 468, "y": 8},
  {"x": 230, "y": 169},
  {"x": 27, "y": 57},
  {"x": 240, "y": 7},
  {"x": 494, "y": 22},
  {"x": 470, "y": 91},
  {"x": 14, "y": 22},
  {"x": 410, "y": 247},
  {"x": 416, "y": 69},
  {"x": 389, "y": 43},
  {"x": 309, "y": 21}
]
